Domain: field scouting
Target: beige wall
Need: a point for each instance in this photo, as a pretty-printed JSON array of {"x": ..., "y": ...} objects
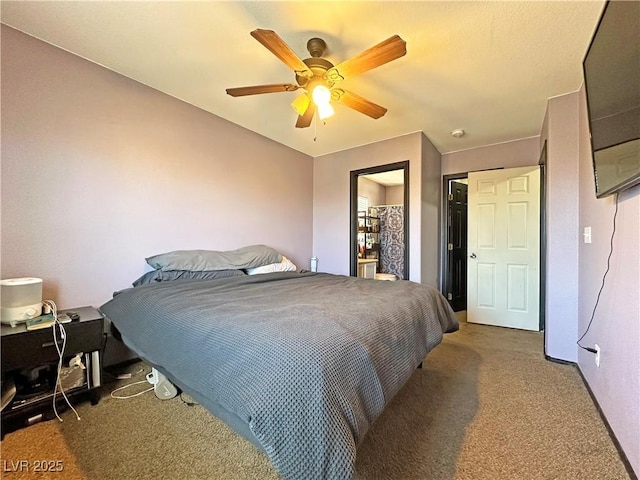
[
  {"x": 394, "y": 195},
  {"x": 99, "y": 172},
  {"x": 379, "y": 194},
  {"x": 561, "y": 134},
  {"x": 518, "y": 153},
  {"x": 375, "y": 192},
  {"x": 430, "y": 200}
]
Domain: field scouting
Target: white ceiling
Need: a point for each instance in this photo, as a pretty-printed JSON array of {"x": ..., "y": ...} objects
[
  {"x": 485, "y": 67},
  {"x": 392, "y": 178}
]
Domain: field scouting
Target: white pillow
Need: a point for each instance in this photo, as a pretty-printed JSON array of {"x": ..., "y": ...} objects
[{"x": 285, "y": 265}]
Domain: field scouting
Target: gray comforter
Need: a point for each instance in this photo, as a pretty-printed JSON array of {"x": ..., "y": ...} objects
[{"x": 300, "y": 364}]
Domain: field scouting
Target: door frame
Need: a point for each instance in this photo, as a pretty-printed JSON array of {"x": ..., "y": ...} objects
[
  {"x": 542, "y": 162},
  {"x": 353, "y": 206}
]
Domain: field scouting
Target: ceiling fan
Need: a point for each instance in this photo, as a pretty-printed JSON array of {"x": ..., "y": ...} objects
[{"x": 318, "y": 77}]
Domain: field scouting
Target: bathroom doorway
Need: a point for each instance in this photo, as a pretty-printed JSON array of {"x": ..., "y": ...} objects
[{"x": 379, "y": 242}]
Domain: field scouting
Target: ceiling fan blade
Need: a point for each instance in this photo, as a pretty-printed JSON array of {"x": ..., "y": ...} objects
[
  {"x": 358, "y": 103},
  {"x": 276, "y": 45},
  {"x": 257, "y": 89},
  {"x": 392, "y": 48},
  {"x": 305, "y": 120}
]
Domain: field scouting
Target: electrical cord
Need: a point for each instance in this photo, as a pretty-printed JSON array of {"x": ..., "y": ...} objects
[
  {"x": 121, "y": 377},
  {"x": 63, "y": 335},
  {"x": 127, "y": 386},
  {"x": 604, "y": 277}
]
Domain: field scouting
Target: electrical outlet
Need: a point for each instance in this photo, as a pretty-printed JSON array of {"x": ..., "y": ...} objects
[{"x": 597, "y": 347}]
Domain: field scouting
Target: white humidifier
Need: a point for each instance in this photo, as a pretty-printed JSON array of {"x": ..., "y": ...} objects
[{"x": 20, "y": 299}]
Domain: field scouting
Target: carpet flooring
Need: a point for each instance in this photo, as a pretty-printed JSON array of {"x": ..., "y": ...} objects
[{"x": 485, "y": 405}]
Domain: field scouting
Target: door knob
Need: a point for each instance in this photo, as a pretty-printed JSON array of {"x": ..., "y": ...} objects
[{"x": 473, "y": 255}]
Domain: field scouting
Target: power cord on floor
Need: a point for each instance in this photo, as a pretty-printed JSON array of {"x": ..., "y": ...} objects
[
  {"x": 604, "y": 277},
  {"x": 133, "y": 395},
  {"x": 129, "y": 375}
]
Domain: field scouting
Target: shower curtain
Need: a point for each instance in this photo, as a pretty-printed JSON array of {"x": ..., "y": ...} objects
[{"x": 392, "y": 239}]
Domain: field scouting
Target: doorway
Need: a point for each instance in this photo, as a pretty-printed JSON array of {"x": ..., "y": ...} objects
[
  {"x": 456, "y": 231},
  {"x": 379, "y": 221},
  {"x": 454, "y": 275},
  {"x": 504, "y": 248}
]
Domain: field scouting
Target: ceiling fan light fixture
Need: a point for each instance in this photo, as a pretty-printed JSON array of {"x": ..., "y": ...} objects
[
  {"x": 301, "y": 103},
  {"x": 317, "y": 75},
  {"x": 322, "y": 98},
  {"x": 325, "y": 110},
  {"x": 321, "y": 95}
]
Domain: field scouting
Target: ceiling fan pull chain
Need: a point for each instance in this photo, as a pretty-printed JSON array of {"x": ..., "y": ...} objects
[{"x": 315, "y": 128}]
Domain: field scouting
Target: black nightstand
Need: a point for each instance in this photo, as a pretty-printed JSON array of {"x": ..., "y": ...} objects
[{"x": 30, "y": 360}]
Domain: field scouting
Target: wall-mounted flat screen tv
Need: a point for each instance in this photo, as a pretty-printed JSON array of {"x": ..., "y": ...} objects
[{"x": 612, "y": 83}]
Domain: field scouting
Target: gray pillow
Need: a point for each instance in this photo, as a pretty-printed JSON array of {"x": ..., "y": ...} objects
[
  {"x": 207, "y": 260},
  {"x": 155, "y": 276}
]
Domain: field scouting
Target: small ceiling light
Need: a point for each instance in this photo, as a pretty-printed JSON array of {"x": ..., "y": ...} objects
[
  {"x": 321, "y": 97},
  {"x": 321, "y": 94},
  {"x": 325, "y": 110},
  {"x": 457, "y": 133},
  {"x": 301, "y": 103}
]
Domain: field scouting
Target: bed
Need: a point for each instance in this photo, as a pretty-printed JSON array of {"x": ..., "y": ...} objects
[{"x": 300, "y": 364}]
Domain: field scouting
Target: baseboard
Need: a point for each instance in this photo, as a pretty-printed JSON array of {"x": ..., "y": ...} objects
[
  {"x": 623, "y": 456},
  {"x": 560, "y": 361}
]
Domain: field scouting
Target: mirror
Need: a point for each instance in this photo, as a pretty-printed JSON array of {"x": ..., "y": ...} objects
[{"x": 379, "y": 222}]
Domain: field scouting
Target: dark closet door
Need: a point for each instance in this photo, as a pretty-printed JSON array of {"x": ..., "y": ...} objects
[{"x": 457, "y": 247}]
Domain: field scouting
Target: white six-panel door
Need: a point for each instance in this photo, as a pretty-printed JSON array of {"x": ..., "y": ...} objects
[{"x": 503, "y": 245}]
